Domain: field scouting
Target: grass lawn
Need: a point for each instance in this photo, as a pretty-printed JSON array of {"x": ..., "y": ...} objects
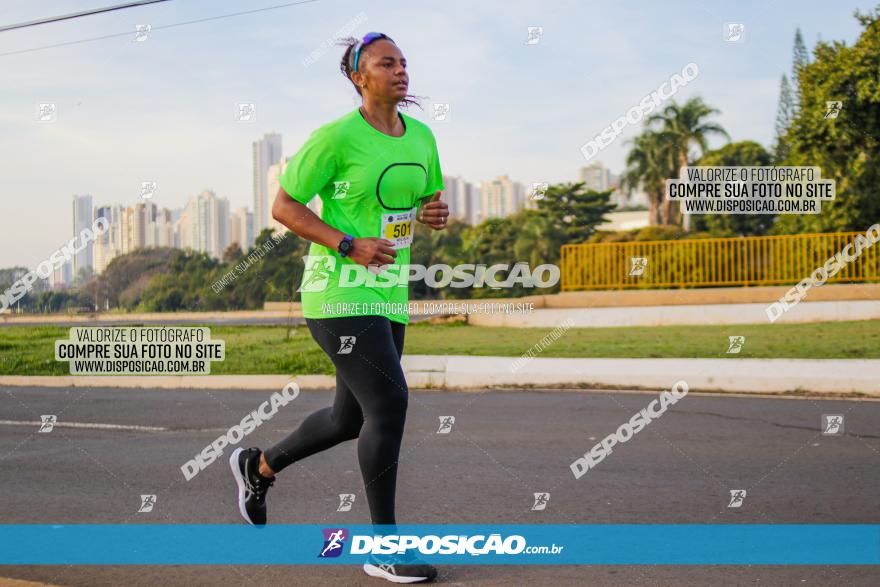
[{"x": 30, "y": 350}]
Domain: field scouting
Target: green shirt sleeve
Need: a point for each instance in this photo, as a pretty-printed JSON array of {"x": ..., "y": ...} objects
[
  {"x": 435, "y": 176},
  {"x": 312, "y": 168}
]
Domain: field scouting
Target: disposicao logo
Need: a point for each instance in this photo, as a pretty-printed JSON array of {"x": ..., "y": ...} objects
[{"x": 334, "y": 541}]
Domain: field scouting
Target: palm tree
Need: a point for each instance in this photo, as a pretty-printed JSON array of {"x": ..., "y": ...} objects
[
  {"x": 538, "y": 239},
  {"x": 686, "y": 125},
  {"x": 648, "y": 164}
]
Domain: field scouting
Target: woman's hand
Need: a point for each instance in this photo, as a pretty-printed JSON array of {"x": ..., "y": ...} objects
[
  {"x": 372, "y": 251},
  {"x": 434, "y": 212}
]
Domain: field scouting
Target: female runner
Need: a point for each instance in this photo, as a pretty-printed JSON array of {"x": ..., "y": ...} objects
[{"x": 372, "y": 168}]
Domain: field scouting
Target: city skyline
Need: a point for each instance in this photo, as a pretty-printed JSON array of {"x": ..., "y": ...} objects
[{"x": 206, "y": 224}]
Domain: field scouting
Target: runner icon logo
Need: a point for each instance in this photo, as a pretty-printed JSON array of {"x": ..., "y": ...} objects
[
  {"x": 538, "y": 191},
  {"x": 541, "y": 500},
  {"x": 446, "y": 423},
  {"x": 534, "y": 35},
  {"x": 48, "y": 422},
  {"x": 346, "y": 345},
  {"x": 340, "y": 189},
  {"x": 46, "y": 112},
  {"x": 247, "y": 112},
  {"x": 735, "y": 32},
  {"x": 334, "y": 541},
  {"x": 147, "y": 503},
  {"x": 148, "y": 189},
  {"x": 737, "y": 497},
  {"x": 346, "y": 500},
  {"x": 736, "y": 344},
  {"x": 317, "y": 272},
  {"x": 141, "y": 31},
  {"x": 638, "y": 266},
  {"x": 441, "y": 111},
  {"x": 832, "y": 424},
  {"x": 832, "y": 108}
]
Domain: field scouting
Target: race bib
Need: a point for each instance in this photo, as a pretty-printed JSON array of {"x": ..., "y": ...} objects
[{"x": 398, "y": 227}]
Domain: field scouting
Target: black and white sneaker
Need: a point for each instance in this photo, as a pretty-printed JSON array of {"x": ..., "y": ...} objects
[
  {"x": 404, "y": 568},
  {"x": 252, "y": 486}
]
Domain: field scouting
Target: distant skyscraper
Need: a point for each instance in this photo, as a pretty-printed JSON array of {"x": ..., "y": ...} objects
[
  {"x": 167, "y": 228},
  {"x": 241, "y": 228},
  {"x": 132, "y": 228},
  {"x": 460, "y": 196},
  {"x": 82, "y": 218},
  {"x": 221, "y": 225},
  {"x": 266, "y": 152},
  {"x": 596, "y": 177},
  {"x": 203, "y": 218},
  {"x": 599, "y": 178},
  {"x": 204, "y": 224},
  {"x": 619, "y": 196},
  {"x": 183, "y": 230},
  {"x": 160, "y": 227},
  {"x": 62, "y": 275},
  {"x": 272, "y": 174},
  {"x": 151, "y": 217},
  {"x": 176, "y": 213},
  {"x": 500, "y": 197},
  {"x": 127, "y": 230},
  {"x": 108, "y": 244},
  {"x": 140, "y": 220},
  {"x": 58, "y": 276}
]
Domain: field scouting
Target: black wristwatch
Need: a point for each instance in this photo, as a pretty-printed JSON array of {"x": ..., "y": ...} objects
[{"x": 346, "y": 245}]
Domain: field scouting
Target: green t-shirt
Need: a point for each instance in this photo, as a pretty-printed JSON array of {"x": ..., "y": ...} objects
[{"x": 367, "y": 181}]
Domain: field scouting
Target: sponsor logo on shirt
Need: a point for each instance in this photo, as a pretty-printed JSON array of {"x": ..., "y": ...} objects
[{"x": 340, "y": 189}]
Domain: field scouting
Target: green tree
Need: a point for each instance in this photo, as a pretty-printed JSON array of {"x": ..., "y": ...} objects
[
  {"x": 273, "y": 276},
  {"x": 232, "y": 253},
  {"x": 740, "y": 154},
  {"x": 437, "y": 247},
  {"x": 685, "y": 125},
  {"x": 845, "y": 148},
  {"x": 800, "y": 59},
  {"x": 121, "y": 284},
  {"x": 49, "y": 302},
  {"x": 784, "y": 115},
  {"x": 182, "y": 286},
  {"x": 538, "y": 240},
  {"x": 573, "y": 211},
  {"x": 648, "y": 233},
  {"x": 649, "y": 163}
]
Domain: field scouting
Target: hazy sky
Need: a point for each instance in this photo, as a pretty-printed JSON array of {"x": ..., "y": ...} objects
[{"x": 163, "y": 109}]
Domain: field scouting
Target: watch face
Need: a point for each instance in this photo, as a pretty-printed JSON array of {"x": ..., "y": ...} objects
[{"x": 345, "y": 246}]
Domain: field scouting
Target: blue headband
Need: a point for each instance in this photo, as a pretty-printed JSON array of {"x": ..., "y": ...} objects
[{"x": 368, "y": 38}]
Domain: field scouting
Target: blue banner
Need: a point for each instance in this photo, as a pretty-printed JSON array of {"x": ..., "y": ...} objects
[{"x": 588, "y": 544}]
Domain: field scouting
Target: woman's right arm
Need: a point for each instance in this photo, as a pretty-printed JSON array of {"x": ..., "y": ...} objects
[{"x": 306, "y": 224}]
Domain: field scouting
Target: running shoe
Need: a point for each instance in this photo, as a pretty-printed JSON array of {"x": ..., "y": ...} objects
[
  {"x": 252, "y": 486},
  {"x": 402, "y": 568}
]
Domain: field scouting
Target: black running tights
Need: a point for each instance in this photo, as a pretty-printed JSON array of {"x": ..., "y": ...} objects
[{"x": 370, "y": 405}]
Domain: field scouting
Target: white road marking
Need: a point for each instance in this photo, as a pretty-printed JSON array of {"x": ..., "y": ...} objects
[{"x": 90, "y": 425}]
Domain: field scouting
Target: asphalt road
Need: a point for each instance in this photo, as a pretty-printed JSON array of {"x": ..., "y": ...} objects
[{"x": 504, "y": 446}]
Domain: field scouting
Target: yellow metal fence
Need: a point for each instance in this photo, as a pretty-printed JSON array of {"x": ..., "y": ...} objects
[{"x": 754, "y": 260}]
